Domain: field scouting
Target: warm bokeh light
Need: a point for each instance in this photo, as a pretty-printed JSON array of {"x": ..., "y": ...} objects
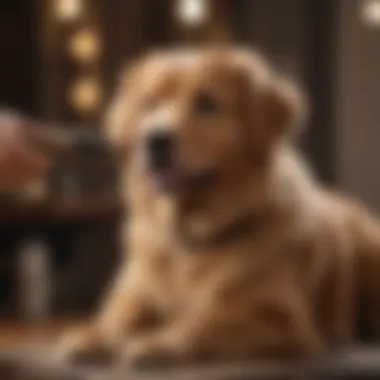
[
  {"x": 85, "y": 94},
  {"x": 371, "y": 12},
  {"x": 192, "y": 13},
  {"x": 85, "y": 45},
  {"x": 68, "y": 10}
]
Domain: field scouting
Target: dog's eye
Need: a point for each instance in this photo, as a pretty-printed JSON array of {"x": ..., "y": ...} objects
[{"x": 206, "y": 104}]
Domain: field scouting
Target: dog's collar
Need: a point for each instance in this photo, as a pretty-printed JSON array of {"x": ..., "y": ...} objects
[{"x": 231, "y": 232}]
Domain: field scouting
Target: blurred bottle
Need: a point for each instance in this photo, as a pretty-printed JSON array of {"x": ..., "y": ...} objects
[{"x": 34, "y": 281}]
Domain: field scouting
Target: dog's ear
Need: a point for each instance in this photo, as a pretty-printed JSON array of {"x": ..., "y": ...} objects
[
  {"x": 120, "y": 128},
  {"x": 272, "y": 106},
  {"x": 279, "y": 107}
]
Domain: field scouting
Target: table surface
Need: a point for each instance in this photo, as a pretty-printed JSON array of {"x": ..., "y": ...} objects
[{"x": 353, "y": 361}]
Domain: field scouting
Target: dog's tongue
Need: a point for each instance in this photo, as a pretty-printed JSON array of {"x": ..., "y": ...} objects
[{"x": 168, "y": 179}]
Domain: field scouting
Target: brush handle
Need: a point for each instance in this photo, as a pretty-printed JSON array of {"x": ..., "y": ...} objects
[
  {"x": 63, "y": 139},
  {"x": 59, "y": 140},
  {"x": 54, "y": 139}
]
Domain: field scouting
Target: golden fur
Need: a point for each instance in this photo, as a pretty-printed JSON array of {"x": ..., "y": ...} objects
[{"x": 290, "y": 287}]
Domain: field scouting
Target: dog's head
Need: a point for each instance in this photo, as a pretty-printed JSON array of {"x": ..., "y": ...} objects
[{"x": 195, "y": 117}]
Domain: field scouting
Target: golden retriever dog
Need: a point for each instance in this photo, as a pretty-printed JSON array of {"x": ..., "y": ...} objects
[{"x": 234, "y": 251}]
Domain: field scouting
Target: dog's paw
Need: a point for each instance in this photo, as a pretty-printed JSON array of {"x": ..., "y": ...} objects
[
  {"x": 149, "y": 353},
  {"x": 84, "y": 348}
]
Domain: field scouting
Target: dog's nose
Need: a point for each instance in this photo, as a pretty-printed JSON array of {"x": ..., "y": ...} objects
[{"x": 160, "y": 146}]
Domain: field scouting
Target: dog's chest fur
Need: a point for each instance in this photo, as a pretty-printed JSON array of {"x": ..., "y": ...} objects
[{"x": 249, "y": 268}]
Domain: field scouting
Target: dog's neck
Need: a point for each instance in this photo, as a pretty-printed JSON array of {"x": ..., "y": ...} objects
[{"x": 247, "y": 204}]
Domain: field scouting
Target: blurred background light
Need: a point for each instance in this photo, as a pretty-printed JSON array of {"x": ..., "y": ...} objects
[
  {"x": 192, "y": 13},
  {"x": 85, "y": 45},
  {"x": 68, "y": 10},
  {"x": 85, "y": 94},
  {"x": 371, "y": 12}
]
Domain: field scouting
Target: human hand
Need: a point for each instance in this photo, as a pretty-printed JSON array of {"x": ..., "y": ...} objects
[{"x": 20, "y": 161}]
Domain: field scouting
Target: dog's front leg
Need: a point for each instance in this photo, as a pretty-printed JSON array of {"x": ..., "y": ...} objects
[
  {"x": 126, "y": 310},
  {"x": 226, "y": 333}
]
